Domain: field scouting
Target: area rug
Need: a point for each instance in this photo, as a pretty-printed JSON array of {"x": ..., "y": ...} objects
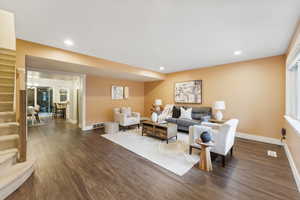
[{"x": 173, "y": 156}]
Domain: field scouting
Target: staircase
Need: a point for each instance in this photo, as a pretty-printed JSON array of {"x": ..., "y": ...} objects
[{"x": 13, "y": 172}]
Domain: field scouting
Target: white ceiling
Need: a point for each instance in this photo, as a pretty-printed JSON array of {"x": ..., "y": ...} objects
[
  {"x": 53, "y": 66},
  {"x": 177, "y": 34}
]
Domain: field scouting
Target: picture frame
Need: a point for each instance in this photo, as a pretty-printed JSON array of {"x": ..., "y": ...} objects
[
  {"x": 188, "y": 92},
  {"x": 117, "y": 92}
]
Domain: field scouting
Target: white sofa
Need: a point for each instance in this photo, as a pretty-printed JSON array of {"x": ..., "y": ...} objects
[
  {"x": 223, "y": 136},
  {"x": 126, "y": 118}
]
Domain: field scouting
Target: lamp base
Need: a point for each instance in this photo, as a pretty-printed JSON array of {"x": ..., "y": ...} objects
[{"x": 219, "y": 115}]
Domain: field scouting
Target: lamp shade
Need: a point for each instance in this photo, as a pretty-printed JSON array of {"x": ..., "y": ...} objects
[
  {"x": 219, "y": 105},
  {"x": 158, "y": 102}
]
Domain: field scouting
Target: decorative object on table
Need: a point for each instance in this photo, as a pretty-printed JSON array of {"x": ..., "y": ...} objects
[
  {"x": 126, "y": 92},
  {"x": 218, "y": 106},
  {"x": 157, "y": 105},
  {"x": 188, "y": 92},
  {"x": 205, "y": 136},
  {"x": 126, "y": 118},
  {"x": 111, "y": 127},
  {"x": 223, "y": 136},
  {"x": 117, "y": 92},
  {"x": 154, "y": 117},
  {"x": 205, "y": 160}
]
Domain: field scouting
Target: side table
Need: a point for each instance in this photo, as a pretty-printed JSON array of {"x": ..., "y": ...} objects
[{"x": 205, "y": 160}]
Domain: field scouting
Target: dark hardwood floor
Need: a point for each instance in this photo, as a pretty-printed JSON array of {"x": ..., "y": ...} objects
[{"x": 71, "y": 164}]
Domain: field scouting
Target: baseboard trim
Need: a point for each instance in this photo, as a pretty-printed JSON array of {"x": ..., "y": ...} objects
[
  {"x": 259, "y": 138},
  {"x": 293, "y": 166},
  {"x": 87, "y": 128},
  {"x": 72, "y": 121}
]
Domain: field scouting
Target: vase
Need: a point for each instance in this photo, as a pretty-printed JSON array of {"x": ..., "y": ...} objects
[
  {"x": 205, "y": 137},
  {"x": 154, "y": 117}
]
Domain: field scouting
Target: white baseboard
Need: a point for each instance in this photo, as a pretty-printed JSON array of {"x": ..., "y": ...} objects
[
  {"x": 293, "y": 166},
  {"x": 259, "y": 138},
  {"x": 72, "y": 121},
  {"x": 87, "y": 128}
]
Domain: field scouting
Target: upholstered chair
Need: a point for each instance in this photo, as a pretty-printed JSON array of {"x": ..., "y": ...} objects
[
  {"x": 126, "y": 118},
  {"x": 223, "y": 135}
]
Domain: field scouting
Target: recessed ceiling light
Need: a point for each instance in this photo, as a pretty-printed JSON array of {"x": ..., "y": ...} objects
[
  {"x": 162, "y": 68},
  {"x": 239, "y": 52},
  {"x": 69, "y": 42}
]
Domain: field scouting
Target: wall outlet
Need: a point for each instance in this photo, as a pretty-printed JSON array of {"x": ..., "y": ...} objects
[
  {"x": 272, "y": 153},
  {"x": 98, "y": 125}
]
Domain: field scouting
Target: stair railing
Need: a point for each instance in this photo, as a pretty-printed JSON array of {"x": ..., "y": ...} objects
[{"x": 23, "y": 126}]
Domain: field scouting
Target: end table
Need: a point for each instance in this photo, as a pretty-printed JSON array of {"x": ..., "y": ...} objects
[{"x": 205, "y": 160}]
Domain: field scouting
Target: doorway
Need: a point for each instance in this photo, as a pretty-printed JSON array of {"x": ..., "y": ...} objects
[{"x": 53, "y": 96}]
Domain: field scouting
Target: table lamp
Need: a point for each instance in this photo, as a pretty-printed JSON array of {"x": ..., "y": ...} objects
[{"x": 218, "y": 106}]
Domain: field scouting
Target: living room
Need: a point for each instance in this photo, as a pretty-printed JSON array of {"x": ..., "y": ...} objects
[{"x": 185, "y": 114}]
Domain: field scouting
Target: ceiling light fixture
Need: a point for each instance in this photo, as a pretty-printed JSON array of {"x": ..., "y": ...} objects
[
  {"x": 162, "y": 68},
  {"x": 239, "y": 52},
  {"x": 69, "y": 42}
]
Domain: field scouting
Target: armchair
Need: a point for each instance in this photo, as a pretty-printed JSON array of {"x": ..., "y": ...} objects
[
  {"x": 223, "y": 136},
  {"x": 126, "y": 118}
]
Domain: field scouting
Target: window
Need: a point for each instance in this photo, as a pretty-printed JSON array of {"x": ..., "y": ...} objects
[
  {"x": 63, "y": 95},
  {"x": 293, "y": 93}
]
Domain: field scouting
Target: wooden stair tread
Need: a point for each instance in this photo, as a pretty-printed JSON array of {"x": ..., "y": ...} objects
[
  {"x": 8, "y": 137},
  {"x": 12, "y": 178},
  {"x": 6, "y": 93},
  {"x": 6, "y": 64},
  {"x": 8, "y": 151},
  {"x": 7, "y": 57},
  {"x": 7, "y": 70},
  {"x": 7, "y": 113},
  {"x": 7, "y": 156},
  {"x": 7, "y": 52},
  {"x": 6, "y": 85},
  {"x": 6, "y": 102},
  {"x": 8, "y": 124},
  {"x": 7, "y": 77}
]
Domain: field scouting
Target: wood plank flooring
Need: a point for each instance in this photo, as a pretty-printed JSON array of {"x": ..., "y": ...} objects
[{"x": 71, "y": 165}]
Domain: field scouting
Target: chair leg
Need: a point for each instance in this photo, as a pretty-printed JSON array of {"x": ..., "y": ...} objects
[
  {"x": 231, "y": 151},
  {"x": 191, "y": 150},
  {"x": 223, "y": 161}
]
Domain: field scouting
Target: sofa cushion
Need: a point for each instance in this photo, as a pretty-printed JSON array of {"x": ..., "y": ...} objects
[
  {"x": 199, "y": 112},
  {"x": 176, "y": 112},
  {"x": 126, "y": 111},
  {"x": 171, "y": 120},
  {"x": 188, "y": 122}
]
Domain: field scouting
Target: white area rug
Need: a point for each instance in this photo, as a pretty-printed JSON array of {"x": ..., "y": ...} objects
[{"x": 173, "y": 156}]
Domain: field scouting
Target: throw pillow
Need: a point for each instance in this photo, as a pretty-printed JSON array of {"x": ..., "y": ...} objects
[
  {"x": 126, "y": 111},
  {"x": 185, "y": 114},
  {"x": 176, "y": 112}
]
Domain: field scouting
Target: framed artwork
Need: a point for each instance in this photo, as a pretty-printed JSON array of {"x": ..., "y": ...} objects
[
  {"x": 188, "y": 92},
  {"x": 117, "y": 92},
  {"x": 126, "y": 92}
]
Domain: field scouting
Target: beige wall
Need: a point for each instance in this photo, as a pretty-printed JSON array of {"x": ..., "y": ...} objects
[
  {"x": 25, "y": 48},
  {"x": 99, "y": 105},
  {"x": 253, "y": 92},
  {"x": 7, "y": 30},
  {"x": 293, "y": 139}
]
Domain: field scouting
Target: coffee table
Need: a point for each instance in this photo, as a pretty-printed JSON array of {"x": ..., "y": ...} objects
[{"x": 164, "y": 131}]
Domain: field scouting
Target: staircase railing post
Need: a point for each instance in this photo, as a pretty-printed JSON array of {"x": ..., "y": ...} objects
[{"x": 23, "y": 126}]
